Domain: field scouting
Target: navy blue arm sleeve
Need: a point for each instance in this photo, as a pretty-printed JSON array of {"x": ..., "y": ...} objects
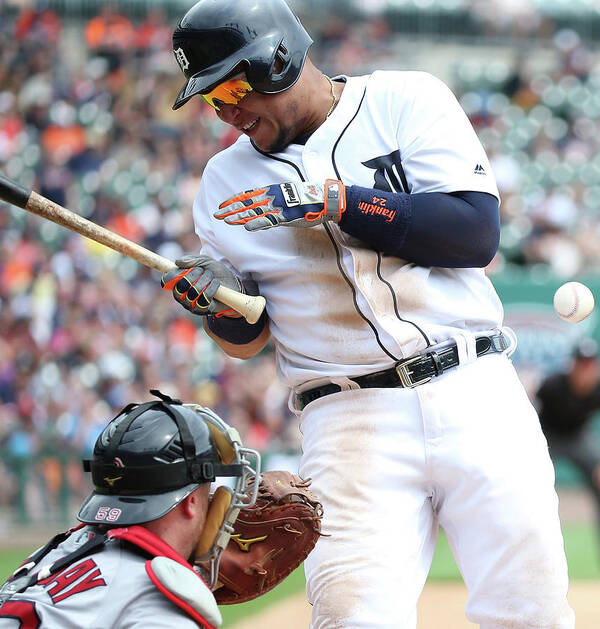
[
  {"x": 452, "y": 230},
  {"x": 236, "y": 330}
]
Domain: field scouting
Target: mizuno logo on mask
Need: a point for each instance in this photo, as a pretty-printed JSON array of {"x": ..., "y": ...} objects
[{"x": 111, "y": 481}]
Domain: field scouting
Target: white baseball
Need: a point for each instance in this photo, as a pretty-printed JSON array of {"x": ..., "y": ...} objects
[{"x": 573, "y": 302}]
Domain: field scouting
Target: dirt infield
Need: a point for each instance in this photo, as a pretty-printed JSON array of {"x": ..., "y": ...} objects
[{"x": 441, "y": 605}]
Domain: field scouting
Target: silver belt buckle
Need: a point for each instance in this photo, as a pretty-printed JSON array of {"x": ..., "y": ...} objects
[{"x": 404, "y": 373}]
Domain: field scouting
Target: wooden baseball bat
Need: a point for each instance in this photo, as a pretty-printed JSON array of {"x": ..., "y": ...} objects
[{"x": 249, "y": 306}]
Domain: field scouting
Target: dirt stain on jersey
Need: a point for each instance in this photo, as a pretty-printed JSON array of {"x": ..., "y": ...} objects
[
  {"x": 408, "y": 285},
  {"x": 324, "y": 284}
]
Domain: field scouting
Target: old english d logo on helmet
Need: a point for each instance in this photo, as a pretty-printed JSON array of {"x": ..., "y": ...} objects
[
  {"x": 219, "y": 38},
  {"x": 182, "y": 60}
]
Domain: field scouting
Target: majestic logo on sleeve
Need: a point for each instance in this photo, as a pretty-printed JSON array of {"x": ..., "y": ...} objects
[
  {"x": 389, "y": 174},
  {"x": 182, "y": 60}
]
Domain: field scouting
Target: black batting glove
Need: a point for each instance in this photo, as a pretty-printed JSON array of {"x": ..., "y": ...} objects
[{"x": 195, "y": 282}]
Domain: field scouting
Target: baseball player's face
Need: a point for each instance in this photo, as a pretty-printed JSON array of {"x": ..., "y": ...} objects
[{"x": 272, "y": 121}]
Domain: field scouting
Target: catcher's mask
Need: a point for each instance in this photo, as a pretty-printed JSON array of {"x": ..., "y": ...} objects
[
  {"x": 152, "y": 455},
  {"x": 217, "y": 39}
]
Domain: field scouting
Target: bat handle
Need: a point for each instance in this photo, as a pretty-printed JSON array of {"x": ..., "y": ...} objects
[{"x": 251, "y": 306}]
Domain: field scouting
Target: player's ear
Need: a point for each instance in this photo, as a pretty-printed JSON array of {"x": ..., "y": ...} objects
[{"x": 197, "y": 502}]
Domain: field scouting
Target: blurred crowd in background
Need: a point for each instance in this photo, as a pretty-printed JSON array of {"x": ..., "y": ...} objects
[{"x": 86, "y": 120}]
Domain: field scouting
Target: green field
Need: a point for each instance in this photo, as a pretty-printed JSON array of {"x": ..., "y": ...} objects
[{"x": 581, "y": 542}]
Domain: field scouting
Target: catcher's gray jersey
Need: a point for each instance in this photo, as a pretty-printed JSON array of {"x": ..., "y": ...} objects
[{"x": 106, "y": 589}]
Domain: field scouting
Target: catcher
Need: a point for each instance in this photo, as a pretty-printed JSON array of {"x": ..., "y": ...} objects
[{"x": 149, "y": 518}]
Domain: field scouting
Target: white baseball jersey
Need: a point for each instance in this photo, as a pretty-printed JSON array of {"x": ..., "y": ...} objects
[
  {"x": 106, "y": 589},
  {"x": 336, "y": 306}
]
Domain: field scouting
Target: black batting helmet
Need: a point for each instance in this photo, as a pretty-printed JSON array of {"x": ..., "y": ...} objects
[
  {"x": 148, "y": 459},
  {"x": 216, "y": 38}
]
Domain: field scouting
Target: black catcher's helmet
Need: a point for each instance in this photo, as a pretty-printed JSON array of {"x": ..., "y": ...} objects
[
  {"x": 150, "y": 457},
  {"x": 216, "y": 38}
]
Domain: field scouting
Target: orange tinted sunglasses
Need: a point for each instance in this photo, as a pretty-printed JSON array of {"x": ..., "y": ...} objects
[{"x": 230, "y": 92}]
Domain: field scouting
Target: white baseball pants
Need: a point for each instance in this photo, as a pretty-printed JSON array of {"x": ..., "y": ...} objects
[{"x": 464, "y": 451}]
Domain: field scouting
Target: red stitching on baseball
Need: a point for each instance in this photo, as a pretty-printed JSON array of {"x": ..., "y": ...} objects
[{"x": 576, "y": 298}]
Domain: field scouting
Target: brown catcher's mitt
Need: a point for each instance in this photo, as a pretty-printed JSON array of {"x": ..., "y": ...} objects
[{"x": 270, "y": 539}]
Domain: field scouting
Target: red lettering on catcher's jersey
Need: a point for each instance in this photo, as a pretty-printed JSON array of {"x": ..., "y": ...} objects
[
  {"x": 87, "y": 570},
  {"x": 23, "y": 611}
]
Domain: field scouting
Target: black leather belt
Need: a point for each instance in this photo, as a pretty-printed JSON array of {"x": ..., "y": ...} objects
[{"x": 413, "y": 371}]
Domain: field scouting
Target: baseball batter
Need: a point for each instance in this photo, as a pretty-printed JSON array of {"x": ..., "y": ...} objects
[
  {"x": 126, "y": 565},
  {"x": 364, "y": 209}
]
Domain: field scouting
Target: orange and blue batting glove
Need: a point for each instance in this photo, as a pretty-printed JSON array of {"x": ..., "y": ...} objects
[
  {"x": 294, "y": 204},
  {"x": 195, "y": 281}
]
